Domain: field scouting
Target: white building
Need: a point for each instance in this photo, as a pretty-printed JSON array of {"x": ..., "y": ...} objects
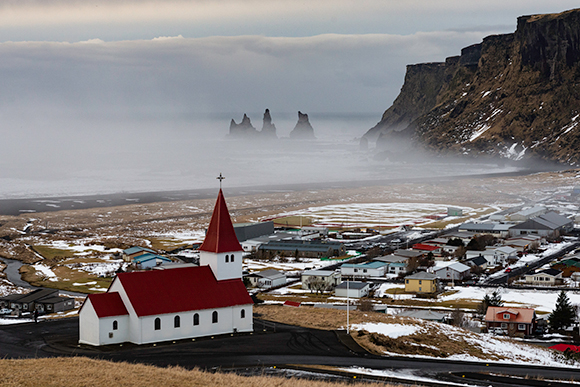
[
  {"x": 364, "y": 270},
  {"x": 267, "y": 279},
  {"x": 451, "y": 270},
  {"x": 173, "y": 304},
  {"x": 352, "y": 289},
  {"x": 494, "y": 255},
  {"x": 330, "y": 277}
]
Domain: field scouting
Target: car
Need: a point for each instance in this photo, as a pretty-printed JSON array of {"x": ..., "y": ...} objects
[
  {"x": 508, "y": 270},
  {"x": 4, "y": 311},
  {"x": 498, "y": 331}
]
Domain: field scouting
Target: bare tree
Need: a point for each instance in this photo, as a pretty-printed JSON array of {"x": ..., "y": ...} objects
[
  {"x": 458, "y": 318},
  {"x": 319, "y": 285},
  {"x": 365, "y": 305}
]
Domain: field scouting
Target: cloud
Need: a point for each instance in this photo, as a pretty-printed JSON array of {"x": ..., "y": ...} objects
[{"x": 330, "y": 73}]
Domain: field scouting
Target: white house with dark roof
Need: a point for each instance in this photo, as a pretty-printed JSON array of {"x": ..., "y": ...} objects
[
  {"x": 267, "y": 279},
  {"x": 352, "y": 289},
  {"x": 181, "y": 303},
  {"x": 547, "y": 277},
  {"x": 451, "y": 270}
]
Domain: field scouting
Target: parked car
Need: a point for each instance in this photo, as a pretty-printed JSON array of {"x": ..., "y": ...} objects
[
  {"x": 4, "y": 311},
  {"x": 498, "y": 331},
  {"x": 508, "y": 270}
]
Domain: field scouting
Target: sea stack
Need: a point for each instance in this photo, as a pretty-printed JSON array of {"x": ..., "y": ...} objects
[
  {"x": 243, "y": 129},
  {"x": 268, "y": 128},
  {"x": 303, "y": 130}
]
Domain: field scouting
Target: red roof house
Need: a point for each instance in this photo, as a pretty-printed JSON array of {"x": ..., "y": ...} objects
[
  {"x": 175, "y": 303},
  {"x": 515, "y": 321}
]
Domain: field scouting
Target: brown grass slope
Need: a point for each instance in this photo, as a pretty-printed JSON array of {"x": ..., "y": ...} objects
[{"x": 81, "y": 372}]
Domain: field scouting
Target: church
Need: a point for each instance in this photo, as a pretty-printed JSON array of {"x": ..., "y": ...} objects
[{"x": 174, "y": 304}]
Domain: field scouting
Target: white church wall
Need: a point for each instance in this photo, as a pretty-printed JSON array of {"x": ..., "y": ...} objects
[
  {"x": 187, "y": 329},
  {"x": 226, "y": 269},
  {"x": 89, "y": 329},
  {"x": 243, "y": 324},
  {"x": 109, "y": 335}
]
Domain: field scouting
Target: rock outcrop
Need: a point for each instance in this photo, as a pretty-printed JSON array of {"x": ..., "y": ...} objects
[
  {"x": 514, "y": 95},
  {"x": 303, "y": 130},
  {"x": 268, "y": 128},
  {"x": 243, "y": 129}
]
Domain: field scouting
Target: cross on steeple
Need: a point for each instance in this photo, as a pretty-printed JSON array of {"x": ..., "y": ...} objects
[{"x": 220, "y": 178}]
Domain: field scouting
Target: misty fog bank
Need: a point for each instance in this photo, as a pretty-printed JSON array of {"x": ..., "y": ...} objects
[{"x": 83, "y": 157}]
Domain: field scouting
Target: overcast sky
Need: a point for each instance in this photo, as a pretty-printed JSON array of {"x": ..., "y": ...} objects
[
  {"x": 87, "y": 88},
  {"x": 169, "y": 57}
]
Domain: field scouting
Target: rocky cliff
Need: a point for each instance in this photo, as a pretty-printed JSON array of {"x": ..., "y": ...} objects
[{"x": 515, "y": 95}]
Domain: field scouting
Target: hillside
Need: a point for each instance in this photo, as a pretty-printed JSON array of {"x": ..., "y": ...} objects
[
  {"x": 402, "y": 336},
  {"x": 515, "y": 95},
  {"x": 79, "y": 371}
]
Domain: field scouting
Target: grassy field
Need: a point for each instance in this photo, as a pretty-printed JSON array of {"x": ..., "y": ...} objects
[
  {"x": 84, "y": 372},
  {"x": 67, "y": 279}
]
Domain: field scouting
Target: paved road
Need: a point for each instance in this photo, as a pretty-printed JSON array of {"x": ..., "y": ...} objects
[{"x": 287, "y": 345}]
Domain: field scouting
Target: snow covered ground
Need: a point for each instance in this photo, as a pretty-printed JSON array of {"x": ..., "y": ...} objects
[
  {"x": 540, "y": 300},
  {"x": 380, "y": 214},
  {"x": 498, "y": 348}
]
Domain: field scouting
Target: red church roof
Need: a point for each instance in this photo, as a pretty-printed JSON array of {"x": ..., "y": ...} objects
[
  {"x": 220, "y": 237},
  {"x": 107, "y": 304},
  {"x": 179, "y": 290}
]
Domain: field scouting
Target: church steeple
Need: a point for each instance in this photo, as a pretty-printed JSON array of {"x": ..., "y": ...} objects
[
  {"x": 220, "y": 237},
  {"x": 220, "y": 249}
]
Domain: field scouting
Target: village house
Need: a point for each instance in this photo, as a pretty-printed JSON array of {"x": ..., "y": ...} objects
[
  {"x": 478, "y": 261},
  {"x": 329, "y": 278},
  {"x": 421, "y": 282},
  {"x": 135, "y": 251},
  {"x": 495, "y": 255},
  {"x": 178, "y": 303},
  {"x": 352, "y": 289},
  {"x": 515, "y": 321},
  {"x": 547, "y": 277},
  {"x": 451, "y": 271},
  {"x": 266, "y": 279},
  {"x": 149, "y": 261},
  {"x": 364, "y": 270},
  {"x": 426, "y": 249},
  {"x": 42, "y": 300},
  {"x": 395, "y": 263}
]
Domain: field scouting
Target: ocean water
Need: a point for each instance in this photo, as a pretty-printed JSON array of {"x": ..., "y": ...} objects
[{"x": 87, "y": 156}]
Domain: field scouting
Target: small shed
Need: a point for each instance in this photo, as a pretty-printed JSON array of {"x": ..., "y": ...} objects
[{"x": 454, "y": 211}]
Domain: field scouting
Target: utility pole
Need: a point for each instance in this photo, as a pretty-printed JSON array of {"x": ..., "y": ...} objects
[{"x": 347, "y": 307}]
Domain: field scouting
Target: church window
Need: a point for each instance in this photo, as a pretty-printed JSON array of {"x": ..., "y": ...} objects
[
  {"x": 196, "y": 319},
  {"x": 227, "y": 258},
  {"x": 214, "y": 317},
  {"x": 176, "y": 322},
  {"x": 157, "y": 324},
  {"x": 115, "y": 325},
  {"x": 232, "y": 258},
  {"x": 243, "y": 313}
]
